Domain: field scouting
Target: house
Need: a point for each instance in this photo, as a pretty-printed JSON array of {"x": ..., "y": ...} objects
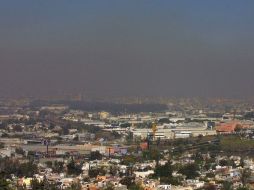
[{"x": 144, "y": 174}]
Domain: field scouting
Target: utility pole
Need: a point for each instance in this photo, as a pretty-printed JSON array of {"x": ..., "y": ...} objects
[{"x": 109, "y": 148}]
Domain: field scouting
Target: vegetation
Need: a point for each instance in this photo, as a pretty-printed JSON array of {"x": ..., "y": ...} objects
[
  {"x": 128, "y": 181},
  {"x": 227, "y": 185},
  {"x": 129, "y": 160},
  {"x": 136, "y": 187},
  {"x": 58, "y": 167},
  {"x": 96, "y": 155},
  {"x": 96, "y": 171},
  {"x": 4, "y": 184},
  {"x": 245, "y": 174},
  {"x": 43, "y": 185},
  {"x": 1, "y": 145},
  {"x": 242, "y": 188},
  {"x": 191, "y": 171},
  {"x": 73, "y": 168},
  {"x": 20, "y": 151},
  {"x": 234, "y": 143},
  {"x": 163, "y": 170},
  {"x": 164, "y": 173},
  {"x": 10, "y": 166},
  {"x": 152, "y": 154},
  {"x": 125, "y": 125}
]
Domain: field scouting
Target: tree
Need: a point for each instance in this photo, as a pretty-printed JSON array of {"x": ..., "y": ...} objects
[
  {"x": 27, "y": 169},
  {"x": 20, "y": 151},
  {"x": 109, "y": 187},
  {"x": 36, "y": 184},
  {"x": 136, "y": 187},
  {"x": 95, "y": 155},
  {"x": 93, "y": 173},
  {"x": 125, "y": 125},
  {"x": 245, "y": 173},
  {"x": 164, "y": 120},
  {"x": 4, "y": 184},
  {"x": 163, "y": 171},
  {"x": 223, "y": 162},
  {"x": 73, "y": 168},
  {"x": 190, "y": 171},
  {"x": 129, "y": 159},
  {"x": 242, "y": 188},
  {"x": 49, "y": 164},
  {"x": 128, "y": 181},
  {"x": 152, "y": 154},
  {"x": 227, "y": 185},
  {"x": 1, "y": 145},
  {"x": 113, "y": 170},
  {"x": 43, "y": 185},
  {"x": 210, "y": 175},
  {"x": 21, "y": 187},
  {"x": 58, "y": 166},
  {"x": 241, "y": 162}
]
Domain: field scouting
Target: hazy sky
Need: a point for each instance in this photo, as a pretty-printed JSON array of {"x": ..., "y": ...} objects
[{"x": 127, "y": 48}]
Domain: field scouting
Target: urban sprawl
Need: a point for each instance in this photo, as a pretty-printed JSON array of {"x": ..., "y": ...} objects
[{"x": 183, "y": 145}]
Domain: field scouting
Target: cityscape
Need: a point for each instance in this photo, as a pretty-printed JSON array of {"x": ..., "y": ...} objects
[
  {"x": 184, "y": 144},
  {"x": 126, "y": 95}
]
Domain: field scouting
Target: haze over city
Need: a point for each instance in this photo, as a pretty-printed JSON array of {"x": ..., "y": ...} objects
[
  {"x": 126, "y": 95},
  {"x": 133, "y": 48}
]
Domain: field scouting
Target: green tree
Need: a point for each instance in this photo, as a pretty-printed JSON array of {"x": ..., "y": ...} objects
[
  {"x": 4, "y": 184},
  {"x": 73, "y": 168},
  {"x": 20, "y": 151},
  {"x": 152, "y": 154},
  {"x": 125, "y": 125},
  {"x": 128, "y": 181},
  {"x": 95, "y": 155},
  {"x": 93, "y": 173},
  {"x": 36, "y": 184},
  {"x": 58, "y": 167},
  {"x": 227, "y": 185},
  {"x": 1, "y": 145},
  {"x": 163, "y": 170},
  {"x": 49, "y": 164},
  {"x": 113, "y": 170},
  {"x": 136, "y": 187},
  {"x": 27, "y": 169},
  {"x": 225, "y": 162},
  {"x": 242, "y": 188},
  {"x": 191, "y": 171},
  {"x": 109, "y": 187},
  {"x": 164, "y": 120},
  {"x": 129, "y": 159},
  {"x": 245, "y": 174}
]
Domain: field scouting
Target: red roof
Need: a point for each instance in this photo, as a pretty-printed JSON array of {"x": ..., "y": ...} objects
[
  {"x": 225, "y": 128},
  {"x": 229, "y": 127}
]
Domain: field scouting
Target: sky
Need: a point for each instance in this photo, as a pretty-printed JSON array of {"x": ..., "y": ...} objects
[{"x": 176, "y": 48}]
